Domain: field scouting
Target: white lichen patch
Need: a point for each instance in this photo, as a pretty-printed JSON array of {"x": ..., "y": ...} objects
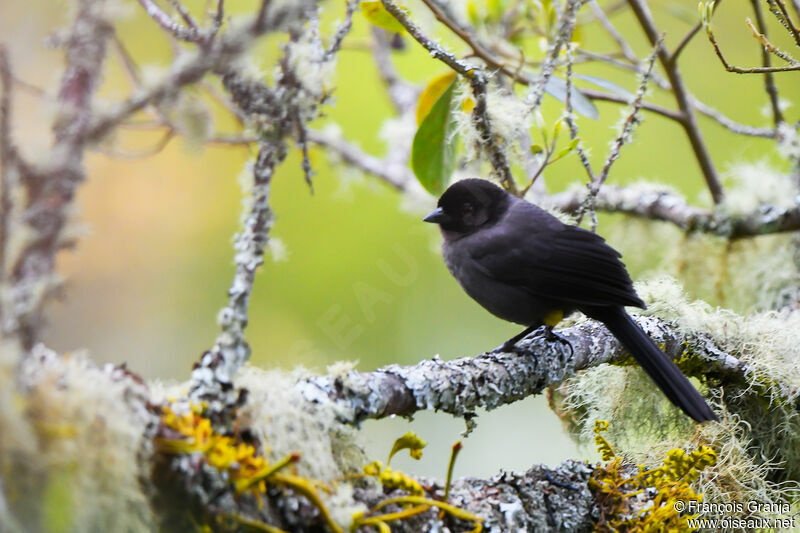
[
  {"x": 285, "y": 422},
  {"x": 756, "y": 184},
  {"x": 74, "y": 443},
  {"x": 509, "y": 118}
]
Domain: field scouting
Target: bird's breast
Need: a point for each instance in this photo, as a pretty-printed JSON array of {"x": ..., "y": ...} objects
[{"x": 507, "y": 301}]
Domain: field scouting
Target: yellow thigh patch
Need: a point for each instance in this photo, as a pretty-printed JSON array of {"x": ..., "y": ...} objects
[{"x": 553, "y": 317}]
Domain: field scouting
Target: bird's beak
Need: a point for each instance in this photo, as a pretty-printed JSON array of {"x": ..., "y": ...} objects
[{"x": 436, "y": 216}]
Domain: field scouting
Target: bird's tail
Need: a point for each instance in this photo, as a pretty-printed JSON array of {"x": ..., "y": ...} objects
[{"x": 661, "y": 369}]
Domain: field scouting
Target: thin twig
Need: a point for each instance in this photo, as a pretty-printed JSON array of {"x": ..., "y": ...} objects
[
  {"x": 185, "y": 15},
  {"x": 178, "y": 31},
  {"x": 769, "y": 80},
  {"x": 767, "y": 45},
  {"x": 342, "y": 30},
  {"x": 731, "y": 125},
  {"x": 563, "y": 37},
  {"x": 687, "y": 39},
  {"x": 478, "y": 82},
  {"x": 778, "y": 8},
  {"x": 402, "y": 94},
  {"x": 6, "y": 157},
  {"x": 689, "y": 122},
  {"x": 217, "y": 20},
  {"x": 302, "y": 141},
  {"x": 396, "y": 176},
  {"x": 214, "y": 57},
  {"x": 744, "y": 70},
  {"x": 631, "y": 120},
  {"x": 612, "y": 31},
  {"x": 700, "y": 107},
  {"x": 569, "y": 117}
]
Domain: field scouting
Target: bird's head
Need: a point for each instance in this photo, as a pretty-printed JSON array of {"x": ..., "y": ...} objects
[{"x": 469, "y": 205}]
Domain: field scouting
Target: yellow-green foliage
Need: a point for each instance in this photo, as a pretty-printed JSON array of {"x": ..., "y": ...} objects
[{"x": 646, "y": 501}]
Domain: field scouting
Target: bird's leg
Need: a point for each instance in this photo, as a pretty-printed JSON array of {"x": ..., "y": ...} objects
[{"x": 510, "y": 345}]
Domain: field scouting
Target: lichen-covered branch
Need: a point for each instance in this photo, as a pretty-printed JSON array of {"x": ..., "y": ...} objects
[
  {"x": 212, "y": 378},
  {"x": 50, "y": 188},
  {"x": 490, "y": 380},
  {"x": 663, "y": 205}
]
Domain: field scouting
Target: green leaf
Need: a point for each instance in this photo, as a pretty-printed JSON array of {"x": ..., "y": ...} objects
[
  {"x": 377, "y": 15},
  {"x": 557, "y": 88},
  {"x": 431, "y": 94},
  {"x": 567, "y": 149},
  {"x": 609, "y": 86},
  {"x": 433, "y": 153},
  {"x": 556, "y": 130},
  {"x": 536, "y": 149}
]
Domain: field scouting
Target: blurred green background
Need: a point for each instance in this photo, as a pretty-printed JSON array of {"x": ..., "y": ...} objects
[{"x": 362, "y": 279}]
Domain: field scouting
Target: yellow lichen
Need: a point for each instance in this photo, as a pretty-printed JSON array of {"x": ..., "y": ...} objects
[
  {"x": 646, "y": 501},
  {"x": 416, "y": 502},
  {"x": 247, "y": 470}
]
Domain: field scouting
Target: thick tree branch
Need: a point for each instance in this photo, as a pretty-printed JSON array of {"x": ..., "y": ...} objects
[{"x": 490, "y": 380}]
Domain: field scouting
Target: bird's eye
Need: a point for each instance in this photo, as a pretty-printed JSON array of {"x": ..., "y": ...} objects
[{"x": 466, "y": 208}]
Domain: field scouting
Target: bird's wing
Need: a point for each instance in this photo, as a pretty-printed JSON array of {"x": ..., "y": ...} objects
[{"x": 553, "y": 260}]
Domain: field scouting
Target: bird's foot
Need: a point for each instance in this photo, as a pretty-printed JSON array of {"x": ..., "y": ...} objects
[
  {"x": 509, "y": 347},
  {"x": 551, "y": 336}
]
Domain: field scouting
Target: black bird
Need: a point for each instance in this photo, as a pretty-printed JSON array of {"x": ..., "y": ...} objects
[{"x": 524, "y": 265}]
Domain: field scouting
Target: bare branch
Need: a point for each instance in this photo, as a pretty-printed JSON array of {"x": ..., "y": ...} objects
[
  {"x": 216, "y": 56},
  {"x": 794, "y": 65},
  {"x": 398, "y": 176},
  {"x": 563, "y": 37},
  {"x": 612, "y": 31},
  {"x": 682, "y": 97},
  {"x": 606, "y": 97},
  {"x": 403, "y": 94},
  {"x": 769, "y": 80},
  {"x": 768, "y": 46},
  {"x": 778, "y": 8},
  {"x": 302, "y": 140},
  {"x": 185, "y": 15},
  {"x": 569, "y": 117},
  {"x": 735, "y": 127}
]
